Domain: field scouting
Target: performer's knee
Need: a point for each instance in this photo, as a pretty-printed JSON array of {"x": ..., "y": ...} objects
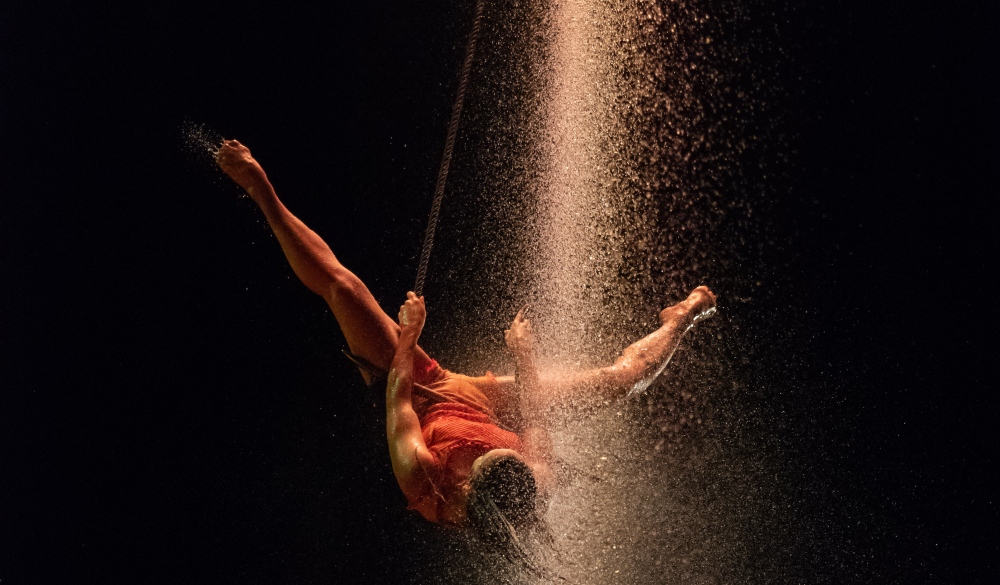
[
  {"x": 631, "y": 367},
  {"x": 344, "y": 286}
]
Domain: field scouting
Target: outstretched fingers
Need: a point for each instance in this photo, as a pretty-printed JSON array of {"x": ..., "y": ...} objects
[{"x": 520, "y": 338}]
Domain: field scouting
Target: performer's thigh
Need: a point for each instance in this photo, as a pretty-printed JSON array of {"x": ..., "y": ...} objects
[{"x": 370, "y": 332}]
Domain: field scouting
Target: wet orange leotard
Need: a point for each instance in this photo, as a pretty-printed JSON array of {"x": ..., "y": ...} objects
[{"x": 465, "y": 423}]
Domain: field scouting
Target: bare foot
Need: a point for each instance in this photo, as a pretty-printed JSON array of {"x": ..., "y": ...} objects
[
  {"x": 699, "y": 305},
  {"x": 235, "y": 160}
]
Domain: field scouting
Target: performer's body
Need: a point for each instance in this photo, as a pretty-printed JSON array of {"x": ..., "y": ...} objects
[{"x": 452, "y": 456}]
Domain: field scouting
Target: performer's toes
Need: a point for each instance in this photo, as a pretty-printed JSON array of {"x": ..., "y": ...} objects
[
  {"x": 703, "y": 303},
  {"x": 699, "y": 305}
]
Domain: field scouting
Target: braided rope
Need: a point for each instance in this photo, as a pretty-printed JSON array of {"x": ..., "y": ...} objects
[{"x": 456, "y": 114}]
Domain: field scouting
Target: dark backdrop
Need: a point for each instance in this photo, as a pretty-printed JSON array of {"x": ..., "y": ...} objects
[{"x": 171, "y": 411}]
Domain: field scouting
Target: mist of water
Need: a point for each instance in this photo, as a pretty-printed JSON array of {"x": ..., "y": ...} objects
[
  {"x": 614, "y": 159},
  {"x": 628, "y": 151},
  {"x": 200, "y": 142}
]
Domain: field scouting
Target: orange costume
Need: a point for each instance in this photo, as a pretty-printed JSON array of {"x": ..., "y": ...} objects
[{"x": 464, "y": 424}]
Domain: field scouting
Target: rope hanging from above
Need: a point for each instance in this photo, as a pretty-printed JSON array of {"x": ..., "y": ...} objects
[{"x": 449, "y": 145}]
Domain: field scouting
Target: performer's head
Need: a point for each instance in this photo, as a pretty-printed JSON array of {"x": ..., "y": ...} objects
[
  {"x": 502, "y": 492},
  {"x": 502, "y": 504}
]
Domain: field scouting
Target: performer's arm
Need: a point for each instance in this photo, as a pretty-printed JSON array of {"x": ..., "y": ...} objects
[
  {"x": 535, "y": 440},
  {"x": 409, "y": 454},
  {"x": 521, "y": 343}
]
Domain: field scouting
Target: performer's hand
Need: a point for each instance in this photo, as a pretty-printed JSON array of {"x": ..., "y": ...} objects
[
  {"x": 520, "y": 339},
  {"x": 413, "y": 313},
  {"x": 235, "y": 160}
]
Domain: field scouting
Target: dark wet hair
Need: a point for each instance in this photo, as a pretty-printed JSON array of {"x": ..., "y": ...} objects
[{"x": 502, "y": 510}]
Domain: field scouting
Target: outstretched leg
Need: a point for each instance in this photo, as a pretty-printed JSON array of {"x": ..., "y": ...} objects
[
  {"x": 370, "y": 332},
  {"x": 640, "y": 363}
]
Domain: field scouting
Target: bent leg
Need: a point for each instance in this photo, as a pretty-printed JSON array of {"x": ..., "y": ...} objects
[
  {"x": 370, "y": 332},
  {"x": 639, "y": 365}
]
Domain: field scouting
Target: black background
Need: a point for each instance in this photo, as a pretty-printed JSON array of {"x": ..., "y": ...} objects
[{"x": 171, "y": 409}]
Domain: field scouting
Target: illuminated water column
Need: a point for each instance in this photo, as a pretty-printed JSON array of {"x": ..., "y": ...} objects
[
  {"x": 640, "y": 147},
  {"x": 580, "y": 203},
  {"x": 572, "y": 168}
]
